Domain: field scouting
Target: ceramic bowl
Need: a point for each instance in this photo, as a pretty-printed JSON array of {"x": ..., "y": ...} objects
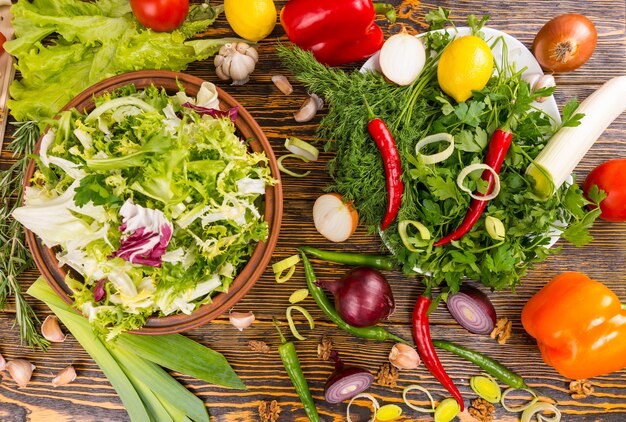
[{"x": 249, "y": 129}]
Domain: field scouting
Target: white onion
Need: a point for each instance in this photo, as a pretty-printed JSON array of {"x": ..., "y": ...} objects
[
  {"x": 440, "y": 156},
  {"x": 334, "y": 219},
  {"x": 402, "y": 58}
]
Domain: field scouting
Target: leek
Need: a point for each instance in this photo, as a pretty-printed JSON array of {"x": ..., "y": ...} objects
[
  {"x": 161, "y": 383},
  {"x": 180, "y": 354},
  {"x": 156, "y": 409},
  {"x": 568, "y": 146}
]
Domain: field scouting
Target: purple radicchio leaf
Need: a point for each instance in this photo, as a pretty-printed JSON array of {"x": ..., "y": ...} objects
[
  {"x": 231, "y": 113},
  {"x": 98, "y": 290},
  {"x": 147, "y": 232}
]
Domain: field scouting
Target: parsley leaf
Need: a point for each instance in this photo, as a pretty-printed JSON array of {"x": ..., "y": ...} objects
[{"x": 93, "y": 188}]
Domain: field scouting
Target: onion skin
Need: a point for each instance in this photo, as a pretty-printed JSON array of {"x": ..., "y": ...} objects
[
  {"x": 565, "y": 43},
  {"x": 457, "y": 305},
  {"x": 363, "y": 297}
]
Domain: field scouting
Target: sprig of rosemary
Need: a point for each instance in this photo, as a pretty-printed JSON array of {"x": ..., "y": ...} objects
[{"x": 15, "y": 258}]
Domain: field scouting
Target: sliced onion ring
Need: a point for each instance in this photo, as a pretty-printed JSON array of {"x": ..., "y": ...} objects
[
  {"x": 440, "y": 156},
  {"x": 301, "y": 148},
  {"x": 292, "y": 325},
  {"x": 286, "y": 264},
  {"x": 412, "y": 406},
  {"x": 363, "y": 396},
  {"x": 520, "y": 408},
  {"x": 486, "y": 387},
  {"x": 404, "y": 235},
  {"x": 285, "y": 170},
  {"x": 528, "y": 414},
  {"x": 471, "y": 168}
]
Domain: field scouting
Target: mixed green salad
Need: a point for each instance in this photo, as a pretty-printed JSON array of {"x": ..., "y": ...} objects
[{"x": 153, "y": 199}]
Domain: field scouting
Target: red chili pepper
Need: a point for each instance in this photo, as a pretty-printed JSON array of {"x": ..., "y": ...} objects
[
  {"x": 498, "y": 148},
  {"x": 393, "y": 166},
  {"x": 335, "y": 31},
  {"x": 426, "y": 349}
]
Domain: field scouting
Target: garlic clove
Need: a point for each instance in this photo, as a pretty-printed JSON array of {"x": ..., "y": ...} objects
[
  {"x": 251, "y": 52},
  {"x": 403, "y": 356},
  {"x": 242, "y": 47},
  {"x": 64, "y": 377},
  {"x": 51, "y": 330},
  {"x": 308, "y": 109},
  {"x": 546, "y": 81},
  {"x": 220, "y": 74},
  {"x": 241, "y": 320},
  {"x": 218, "y": 60},
  {"x": 20, "y": 370},
  {"x": 532, "y": 79},
  {"x": 3, "y": 363},
  {"x": 283, "y": 84},
  {"x": 319, "y": 103}
]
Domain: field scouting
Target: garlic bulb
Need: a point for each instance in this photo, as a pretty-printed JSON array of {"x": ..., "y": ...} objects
[
  {"x": 20, "y": 370},
  {"x": 236, "y": 62},
  {"x": 402, "y": 58}
]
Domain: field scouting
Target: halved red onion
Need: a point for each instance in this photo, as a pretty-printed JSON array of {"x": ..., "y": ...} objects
[
  {"x": 472, "y": 309},
  {"x": 346, "y": 382}
]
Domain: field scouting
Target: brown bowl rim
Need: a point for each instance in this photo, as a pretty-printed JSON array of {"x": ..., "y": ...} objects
[{"x": 45, "y": 258}]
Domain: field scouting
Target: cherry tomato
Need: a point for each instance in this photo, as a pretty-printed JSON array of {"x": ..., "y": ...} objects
[
  {"x": 610, "y": 176},
  {"x": 160, "y": 15}
]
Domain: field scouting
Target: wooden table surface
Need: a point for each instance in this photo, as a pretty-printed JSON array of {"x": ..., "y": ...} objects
[{"x": 91, "y": 398}]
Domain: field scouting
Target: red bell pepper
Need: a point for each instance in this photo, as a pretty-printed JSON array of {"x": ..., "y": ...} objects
[{"x": 335, "y": 31}]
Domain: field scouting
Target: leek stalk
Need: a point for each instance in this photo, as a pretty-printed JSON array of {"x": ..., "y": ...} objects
[{"x": 568, "y": 146}]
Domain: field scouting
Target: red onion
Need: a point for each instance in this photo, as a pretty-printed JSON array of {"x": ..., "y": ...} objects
[
  {"x": 346, "y": 381},
  {"x": 472, "y": 309},
  {"x": 363, "y": 297}
]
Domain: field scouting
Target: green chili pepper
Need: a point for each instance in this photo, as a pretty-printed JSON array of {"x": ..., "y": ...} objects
[
  {"x": 288, "y": 355},
  {"x": 492, "y": 367},
  {"x": 371, "y": 333},
  {"x": 375, "y": 261}
]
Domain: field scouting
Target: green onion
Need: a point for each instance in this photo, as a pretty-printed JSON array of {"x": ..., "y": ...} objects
[
  {"x": 292, "y": 325},
  {"x": 301, "y": 148}
]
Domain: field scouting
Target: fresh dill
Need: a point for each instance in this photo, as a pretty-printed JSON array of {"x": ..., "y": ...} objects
[{"x": 15, "y": 258}]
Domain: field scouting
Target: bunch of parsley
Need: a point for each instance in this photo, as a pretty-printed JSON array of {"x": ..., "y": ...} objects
[{"x": 431, "y": 194}]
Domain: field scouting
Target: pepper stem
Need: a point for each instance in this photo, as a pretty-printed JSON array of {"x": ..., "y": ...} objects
[
  {"x": 624, "y": 306},
  {"x": 387, "y": 10},
  {"x": 370, "y": 113},
  {"x": 283, "y": 340}
]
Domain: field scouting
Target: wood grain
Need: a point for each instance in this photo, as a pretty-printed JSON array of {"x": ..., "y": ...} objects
[{"x": 91, "y": 397}]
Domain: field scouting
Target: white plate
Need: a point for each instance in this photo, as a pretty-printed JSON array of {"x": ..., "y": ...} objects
[{"x": 520, "y": 57}]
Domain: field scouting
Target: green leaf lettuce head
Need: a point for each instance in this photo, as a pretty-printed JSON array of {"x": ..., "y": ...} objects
[
  {"x": 138, "y": 155},
  {"x": 65, "y": 46}
]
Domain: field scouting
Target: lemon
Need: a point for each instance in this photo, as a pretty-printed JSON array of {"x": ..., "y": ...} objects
[
  {"x": 465, "y": 65},
  {"x": 251, "y": 19}
]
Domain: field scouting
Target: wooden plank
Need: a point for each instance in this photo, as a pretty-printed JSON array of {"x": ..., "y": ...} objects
[{"x": 91, "y": 397}]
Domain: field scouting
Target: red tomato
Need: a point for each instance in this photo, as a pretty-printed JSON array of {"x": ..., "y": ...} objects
[
  {"x": 160, "y": 15},
  {"x": 611, "y": 178},
  {"x": 2, "y": 40}
]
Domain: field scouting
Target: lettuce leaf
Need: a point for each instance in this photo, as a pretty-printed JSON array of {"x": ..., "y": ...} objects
[{"x": 65, "y": 46}]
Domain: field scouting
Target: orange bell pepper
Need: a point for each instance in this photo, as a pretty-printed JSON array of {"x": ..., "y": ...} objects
[{"x": 580, "y": 326}]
